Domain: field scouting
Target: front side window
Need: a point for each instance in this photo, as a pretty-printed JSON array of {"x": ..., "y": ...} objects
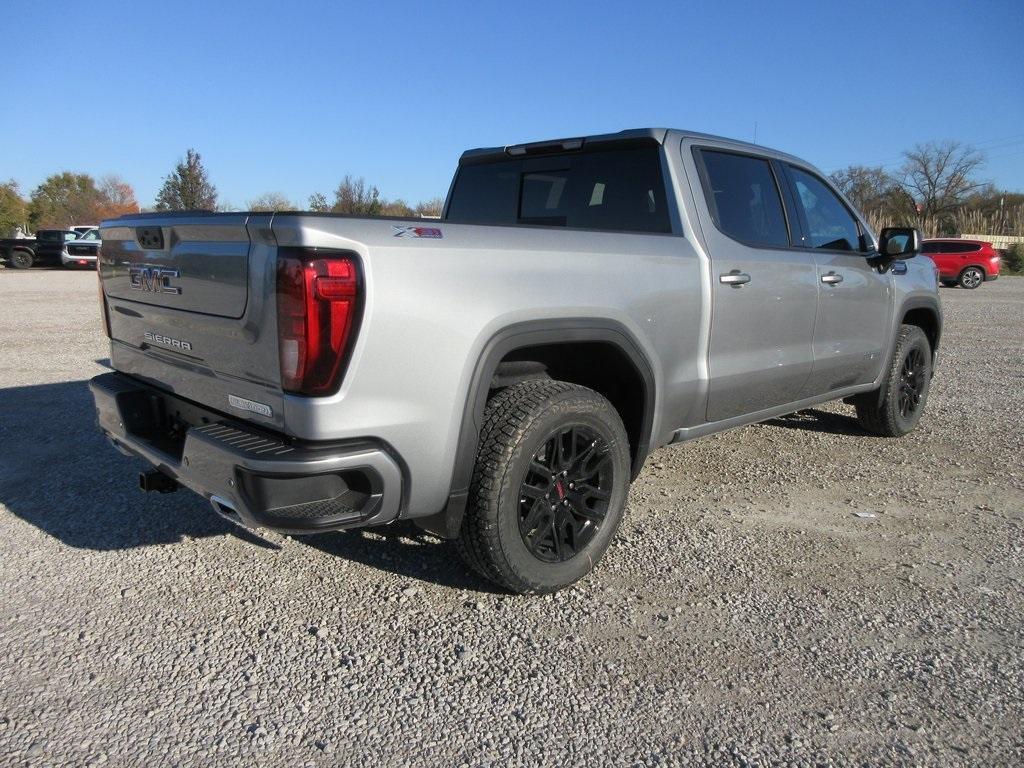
[
  {"x": 830, "y": 225},
  {"x": 617, "y": 190},
  {"x": 744, "y": 199}
]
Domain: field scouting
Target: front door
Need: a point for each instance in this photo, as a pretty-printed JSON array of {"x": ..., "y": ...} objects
[
  {"x": 855, "y": 299},
  {"x": 765, "y": 290}
]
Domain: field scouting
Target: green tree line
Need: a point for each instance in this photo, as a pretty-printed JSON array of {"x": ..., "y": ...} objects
[{"x": 66, "y": 199}]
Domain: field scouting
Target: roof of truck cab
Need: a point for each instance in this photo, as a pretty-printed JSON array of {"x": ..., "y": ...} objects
[{"x": 636, "y": 137}]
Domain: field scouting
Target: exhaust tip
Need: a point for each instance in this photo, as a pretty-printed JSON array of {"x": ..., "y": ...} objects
[{"x": 155, "y": 480}]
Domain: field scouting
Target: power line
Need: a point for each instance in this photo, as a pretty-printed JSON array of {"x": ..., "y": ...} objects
[
  {"x": 1008, "y": 154},
  {"x": 891, "y": 162}
]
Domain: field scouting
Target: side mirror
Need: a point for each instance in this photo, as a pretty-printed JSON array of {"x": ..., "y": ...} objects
[{"x": 899, "y": 242}]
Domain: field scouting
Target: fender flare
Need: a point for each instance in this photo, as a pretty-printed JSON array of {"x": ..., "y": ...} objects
[
  {"x": 448, "y": 521},
  {"x": 929, "y": 303}
]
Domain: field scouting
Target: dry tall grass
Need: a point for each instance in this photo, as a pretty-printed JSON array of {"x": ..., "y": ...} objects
[{"x": 1009, "y": 221}]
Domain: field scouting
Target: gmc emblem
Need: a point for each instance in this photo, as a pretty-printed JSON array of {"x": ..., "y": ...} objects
[{"x": 153, "y": 279}]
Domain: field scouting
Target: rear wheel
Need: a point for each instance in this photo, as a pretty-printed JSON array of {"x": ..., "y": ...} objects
[
  {"x": 971, "y": 277},
  {"x": 21, "y": 259},
  {"x": 895, "y": 409},
  {"x": 549, "y": 487}
]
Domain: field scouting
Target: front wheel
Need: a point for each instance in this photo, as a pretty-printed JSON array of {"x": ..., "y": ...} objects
[
  {"x": 895, "y": 409},
  {"x": 549, "y": 487},
  {"x": 971, "y": 277}
]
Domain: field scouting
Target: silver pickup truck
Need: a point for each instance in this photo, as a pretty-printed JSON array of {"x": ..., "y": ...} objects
[{"x": 499, "y": 375}]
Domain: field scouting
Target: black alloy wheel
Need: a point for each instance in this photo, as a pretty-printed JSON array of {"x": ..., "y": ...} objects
[
  {"x": 895, "y": 408},
  {"x": 911, "y": 382},
  {"x": 564, "y": 495},
  {"x": 549, "y": 486}
]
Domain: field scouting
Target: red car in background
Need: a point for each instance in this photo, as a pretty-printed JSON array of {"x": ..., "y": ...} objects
[{"x": 967, "y": 263}]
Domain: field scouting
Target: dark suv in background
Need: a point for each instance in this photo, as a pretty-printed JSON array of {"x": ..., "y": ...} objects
[{"x": 967, "y": 263}]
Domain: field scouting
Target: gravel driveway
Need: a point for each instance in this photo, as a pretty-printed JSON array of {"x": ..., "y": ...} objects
[{"x": 745, "y": 615}]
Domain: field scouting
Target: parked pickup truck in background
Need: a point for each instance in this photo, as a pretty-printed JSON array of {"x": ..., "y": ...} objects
[
  {"x": 83, "y": 250},
  {"x": 50, "y": 247},
  {"x": 500, "y": 375},
  {"x": 18, "y": 252}
]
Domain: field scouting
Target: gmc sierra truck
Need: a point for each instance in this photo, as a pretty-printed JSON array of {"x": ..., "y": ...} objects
[{"x": 499, "y": 375}]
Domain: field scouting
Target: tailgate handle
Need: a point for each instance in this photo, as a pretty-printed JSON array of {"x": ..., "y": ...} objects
[{"x": 150, "y": 238}]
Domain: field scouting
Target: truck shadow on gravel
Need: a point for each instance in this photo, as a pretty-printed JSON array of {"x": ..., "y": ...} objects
[
  {"x": 404, "y": 550},
  {"x": 813, "y": 420},
  {"x": 58, "y": 473}
]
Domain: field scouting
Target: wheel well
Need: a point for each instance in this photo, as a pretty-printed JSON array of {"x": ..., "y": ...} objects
[
  {"x": 927, "y": 321},
  {"x": 975, "y": 266},
  {"x": 600, "y": 366}
]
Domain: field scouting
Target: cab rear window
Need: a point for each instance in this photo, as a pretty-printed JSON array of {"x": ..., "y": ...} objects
[{"x": 612, "y": 190}]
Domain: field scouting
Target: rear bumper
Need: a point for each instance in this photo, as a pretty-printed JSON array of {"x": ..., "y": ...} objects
[
  {"x": 254, "y": 478},
  {"x": 990, "y": 276}
]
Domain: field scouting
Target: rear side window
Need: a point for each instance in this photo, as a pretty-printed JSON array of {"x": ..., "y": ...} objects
[
  {"x": 618, "y": 190},
  {"x": 950, "y": 246},
  {"x": 830, "y": 225},
  {"x": 743, "y": 198}
]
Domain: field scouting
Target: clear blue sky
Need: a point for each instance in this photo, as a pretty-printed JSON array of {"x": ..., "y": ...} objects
[{"x": 290, "y": 97}]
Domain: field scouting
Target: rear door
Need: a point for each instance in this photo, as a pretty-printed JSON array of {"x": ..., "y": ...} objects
[
  {"x": 855, "y": 298},
  {"x": 765, "y": 289},
  {"x": 946, "y": 258}
]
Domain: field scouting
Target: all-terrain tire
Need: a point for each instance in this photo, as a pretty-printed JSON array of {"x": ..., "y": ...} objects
[
  {"x": 895, "y": 408},
  {"x": 520, "y": 426}
]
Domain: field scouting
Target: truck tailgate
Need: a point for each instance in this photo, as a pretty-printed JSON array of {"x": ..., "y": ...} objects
[
  {"x": 190, "y": 304},
  {"x": 193, "y": 264}
]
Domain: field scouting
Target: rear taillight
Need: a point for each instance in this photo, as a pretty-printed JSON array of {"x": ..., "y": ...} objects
[{"x": 318, "y": 305}]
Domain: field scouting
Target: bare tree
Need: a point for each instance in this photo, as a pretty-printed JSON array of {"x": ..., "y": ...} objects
[
  {"x": 939, "y": 176},
  {"x": 866, "y": 187},
  {"x": 355, "y": 197},
  {"x": 431, "y": 207},
  {"x": 318, "y": 202},
  {"x": 271, "y": 201}
]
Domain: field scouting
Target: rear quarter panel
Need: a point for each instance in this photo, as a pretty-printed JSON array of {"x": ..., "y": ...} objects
[{"x": 433, "y": 304}]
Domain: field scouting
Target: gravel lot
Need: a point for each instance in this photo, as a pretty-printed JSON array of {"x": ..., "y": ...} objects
[{"x": 745, "y": 615}]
